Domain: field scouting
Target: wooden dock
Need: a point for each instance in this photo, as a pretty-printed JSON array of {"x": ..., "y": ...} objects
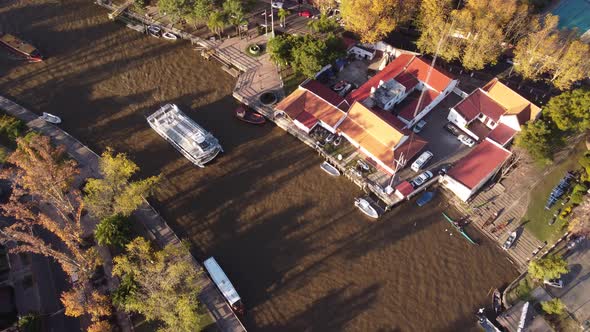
[{"x": 119, "y": 10}]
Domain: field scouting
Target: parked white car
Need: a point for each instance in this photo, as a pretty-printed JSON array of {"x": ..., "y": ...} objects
[
  {"x": 421, "y": 161},
  {"x": 557, "y": 283},
  {"x": 276, "y": 4},
  {"x": 466, "y": 140},
  {"x": 419, "y": 126},
  {"x": 421, "y": 179}
]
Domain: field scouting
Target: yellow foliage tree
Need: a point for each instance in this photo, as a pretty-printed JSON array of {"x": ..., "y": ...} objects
[{"x": 374, "y": 19}]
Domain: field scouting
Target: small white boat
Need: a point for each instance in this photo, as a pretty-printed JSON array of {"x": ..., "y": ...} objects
[
  {"x": 50, "y": 118},
  {"x": 169, "y": 36},
  {"x": 366, "y": 207},
  {"x": 154, "y": 30},
  {"x": 509, "y": 241},
  {"x": 328, "y": 168}
]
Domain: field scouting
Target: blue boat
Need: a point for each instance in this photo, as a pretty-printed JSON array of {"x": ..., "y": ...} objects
[{"x": 425, "y": 198}]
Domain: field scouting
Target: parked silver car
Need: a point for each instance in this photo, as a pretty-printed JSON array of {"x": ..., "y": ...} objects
[{"x": 421, "y": 179}]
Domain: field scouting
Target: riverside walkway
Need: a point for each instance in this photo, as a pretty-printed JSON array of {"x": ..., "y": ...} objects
[{"x": 162, "y": 234}]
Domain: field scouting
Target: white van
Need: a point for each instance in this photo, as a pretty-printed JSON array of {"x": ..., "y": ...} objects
[{"x": 421, "y": 161}]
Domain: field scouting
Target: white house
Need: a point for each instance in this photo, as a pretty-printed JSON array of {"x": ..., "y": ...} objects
[
  {"x": 493, "y": 111},
  {"x": 471, "y": 172}
]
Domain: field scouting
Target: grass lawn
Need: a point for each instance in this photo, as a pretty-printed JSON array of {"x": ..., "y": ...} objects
[{"x": 537, "y": 218}]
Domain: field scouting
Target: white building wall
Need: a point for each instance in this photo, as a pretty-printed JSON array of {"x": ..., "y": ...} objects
[
  {"x": 456, "y": 118},
  {"x": 511, "y": 121},
  {"x": 456, "y": 187},
  {"x": 432, "y": 105}
]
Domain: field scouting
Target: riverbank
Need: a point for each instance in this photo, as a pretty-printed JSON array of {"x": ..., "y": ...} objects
[{"x": 288, "y": 236}]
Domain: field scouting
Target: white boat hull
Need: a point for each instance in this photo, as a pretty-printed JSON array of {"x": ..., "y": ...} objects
[
  {"x": 366, "y": 207},
  {"x": 169, "y": 36},
  {"x": 333, "y": 171},
  {"x": 50, "y": 118}
]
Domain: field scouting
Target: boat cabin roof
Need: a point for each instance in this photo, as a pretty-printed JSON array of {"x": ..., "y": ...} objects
[
  {"x": 221, "y": 280},
  {"x": 18, "y": 44}
]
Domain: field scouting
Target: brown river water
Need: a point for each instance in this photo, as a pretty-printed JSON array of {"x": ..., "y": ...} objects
[{"x": 299, "y": 253}]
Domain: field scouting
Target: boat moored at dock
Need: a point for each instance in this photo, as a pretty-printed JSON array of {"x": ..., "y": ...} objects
[
  {"x": 459, "y": 228},
  {"x": 366, "y": 207},
  {"x": 224, "y": 285},
  {"x": 50, "y": 118},
  {"x": 328, "y": 168},
  {"x": 195, "y": 143},
  {"x": 22, "y": 48}
]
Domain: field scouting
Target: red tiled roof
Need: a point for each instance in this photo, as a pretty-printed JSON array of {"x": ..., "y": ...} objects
[
  {"x": 478, "y": 164},
  {"x": 479, "y": 102},
  {"x": 409, "y": 110},
  {"x": 502, "y": 134},
  {"x": 408, "y": 80},
  {"x": 410, "y": 148},
  {"x": 390, "y": 71},
  {"x": 437, "y": 80},
  {"x": 306, "y": 119},
  {"x": 302, "y": 100},
  {"x": 404, "y": 188},
  {"x": 323, "y": 92}
]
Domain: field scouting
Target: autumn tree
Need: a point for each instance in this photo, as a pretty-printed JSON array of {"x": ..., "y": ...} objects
[
  {"x": 100, "y": 326},
  {"x": 549, "y": 51},
  {"x": 373, "y": 20},
  {"x": 325, "y": 5},
  {"x": 435, "y": 27},
  {"x": 550, "y": 267},
  {"x": 114, "y": 193},
  {"x": 164, "y": 284},
  {"x": 580, "y": 223},
  {"x": 570, "y": 110},
  {"x": 45, "y": 171}
]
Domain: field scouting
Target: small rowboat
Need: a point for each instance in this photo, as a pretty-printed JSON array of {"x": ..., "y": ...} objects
[
  {"x": 50, "y": 118},
  {"x": 169, "y": 36},
  {"x": 337, "y": 141},
  {"x": 425, "y": 198},
  {"x": 497, "y": 301},
  {"x": 154, "y": 31},
  {"x": 366, "y": 207},
  {"x": 459, "y": 228},
  {"x": 249, "y": 116},
  {"x": 328, "y": 168}
]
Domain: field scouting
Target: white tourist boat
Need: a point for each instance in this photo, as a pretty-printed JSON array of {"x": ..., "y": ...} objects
[
  {"x": 154, "y": 31},
  {"x": 190, "y": 139},
  {"x": 224, "y": 285},
  {"x": 366, "y": 207},
  {"x": 169, "y": 36},
  {"x": 50, "y": 118},
  {"x": 328, "y": 168}
]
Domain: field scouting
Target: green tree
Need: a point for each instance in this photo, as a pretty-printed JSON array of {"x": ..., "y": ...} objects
[
  {"x": 550, "y": 267},
  {"x": 201, "y": 10},
  {"x": 570, "y": 110},
  {"x": 175, "y": 8},
  {"x": 313, "y": 54},
  {"x": 114, "y": 193},
  {"x": 216, "y": 22},
  {"x": 323, "y": 24},
  {"x": 282, "y": 14},
  {"x": 373, "y": 20},
  {"x": 280, "y": 48},
  {"x": 537, "y": 138},
  {"x": 234, "y": 11},
  {"x": 164, "y": 284},
  {"x": 113, "y": 231},
  {"x": 553, "y": 307}
]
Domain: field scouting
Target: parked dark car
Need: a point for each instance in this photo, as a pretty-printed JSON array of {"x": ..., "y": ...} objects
[{"x": 453, "y": 129}]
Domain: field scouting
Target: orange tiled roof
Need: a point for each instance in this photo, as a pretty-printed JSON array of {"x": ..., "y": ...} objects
[
  {"x": 302, "y": 100},
  {"x": 512, "y": 101}
]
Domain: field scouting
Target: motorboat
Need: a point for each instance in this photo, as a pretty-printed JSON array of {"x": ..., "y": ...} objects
[
  {"x": 425, "y": 198},
  {"x": 485, "y": 323},
  {"x": 50, "y": 118},
  {"x": 169, "y": 36},
  {"x": 23, "y": 48},
  {"x": 193, "y": 141},
  {"x": 366, "y": 207},
  {"x": 330, "y": 138},
  {"x": 497, "y": 301},
  {"x": 249, "y": 116},
  {"x": 328, "y": 168},
  {"x": 363, "y": 165},
  {"x": 154, "y": 31},
  {"x": 509, "y": 241}
]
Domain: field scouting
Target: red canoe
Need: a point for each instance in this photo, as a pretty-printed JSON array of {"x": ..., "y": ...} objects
[{"x": 249, "y": 116}]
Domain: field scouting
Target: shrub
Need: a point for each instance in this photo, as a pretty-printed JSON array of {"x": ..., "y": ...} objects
[
  {"x": 577, "y": 198},
  {"x": 580, "y": 187},
  {"x": 553, "y": 307}
]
